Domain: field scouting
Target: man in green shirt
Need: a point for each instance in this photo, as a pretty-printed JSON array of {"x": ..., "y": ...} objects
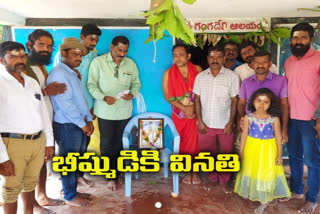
[{"x": 113, "y": 81}]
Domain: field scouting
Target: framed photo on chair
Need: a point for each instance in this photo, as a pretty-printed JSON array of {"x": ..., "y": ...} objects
[{"x": 150, "y": 133}]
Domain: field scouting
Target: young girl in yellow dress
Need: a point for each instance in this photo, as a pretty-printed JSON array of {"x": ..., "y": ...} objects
[{"x": 261, "y": 177}]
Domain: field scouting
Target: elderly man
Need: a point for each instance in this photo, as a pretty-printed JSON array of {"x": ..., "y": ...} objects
[
  {"x": 113, "y": 81},
  {"x": 302, "y": 69},
  {"x": 72, "y": 118},
  {"x": 23, "y": 118},
  {"x": 216, "y": 90}
]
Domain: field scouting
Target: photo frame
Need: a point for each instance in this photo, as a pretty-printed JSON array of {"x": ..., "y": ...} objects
[{"x": 150, "y": 133}]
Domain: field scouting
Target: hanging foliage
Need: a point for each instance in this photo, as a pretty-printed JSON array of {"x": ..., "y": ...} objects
[
  {"x": 274, "y": 34},
  {"x": 167, "y": 16}
]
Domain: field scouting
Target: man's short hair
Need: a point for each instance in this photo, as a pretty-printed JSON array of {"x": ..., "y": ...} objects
[
  {"x": 35, "y": 35},
  {"x": 215, "y": 48},
  {"x": 246, "y": 43},
  {"x": 303, "y": 26},
  {"x": 262, "y": 53},
  {"x": 9, "y": 46},
  {"x": 89, "y": 29},
  {"x": 230, "y": 43},
  {"x": 120, "y": 39},
  {"x": 186, "y": 48}
]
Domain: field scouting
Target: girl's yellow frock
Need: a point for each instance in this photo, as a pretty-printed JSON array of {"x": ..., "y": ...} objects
[{"x": 259, "y": 178}]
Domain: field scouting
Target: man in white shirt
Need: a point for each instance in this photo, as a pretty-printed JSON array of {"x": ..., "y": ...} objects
[
  {"x": 26, "y": 132},
  {"x": 216, "y": 90},
  {"x": 247, "y": 51}
]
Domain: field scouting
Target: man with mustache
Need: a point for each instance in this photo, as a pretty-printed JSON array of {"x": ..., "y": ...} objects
[
  {"x": 216, "y": 90},
  {"x": 247, "y": 51},
  {"x": 231, "y": 53},
  {"x": 264, "y": 78},
  {"x": 39, "y": 45},
  {"x": 26, "y": 138},
  {"x": 177, "y": 87},
  {"x": 302, "y": 69},
  {"x": 89, "y": 37},
  {"x": 72, "y": 117},
  {"x": 113, "y": 81}
]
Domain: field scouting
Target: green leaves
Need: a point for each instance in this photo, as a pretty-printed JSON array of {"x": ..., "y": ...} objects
[
  {"x": 189, "y": 1},
  {"x": 262, "y": 28},
  {"x": 200, "y": 42},
  {"x": 163, "y": 7},
  {"x": 171, "y": 22},
  {"x": 160, "y": 31},
  {"x": 275, "y": 39},
  {"x": 168, "y": 16},
  {"x": 281, "y": 32},
  {"x": 185, "y": 27},
  {"x": 235, "y": 39},
  {"x": 155, "y": 18},
  {"x": 277, "y": 33}
]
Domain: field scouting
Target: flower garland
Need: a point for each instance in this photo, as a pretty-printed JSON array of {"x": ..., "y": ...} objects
[{"x": 146, "y": 138}]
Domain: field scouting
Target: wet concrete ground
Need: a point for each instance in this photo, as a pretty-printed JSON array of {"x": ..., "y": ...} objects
[{"x": 152, "y": 187}]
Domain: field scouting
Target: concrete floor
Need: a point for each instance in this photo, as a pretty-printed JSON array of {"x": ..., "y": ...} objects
[{"x": 152, "y": 188}]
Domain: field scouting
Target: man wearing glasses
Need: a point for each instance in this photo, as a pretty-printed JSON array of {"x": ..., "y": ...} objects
[{"x": 113, "y": 81}]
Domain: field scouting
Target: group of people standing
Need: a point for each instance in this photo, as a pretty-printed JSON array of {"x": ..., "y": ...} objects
[
  {"x": 243, "y": 106},
  {"x": 39, "y": 108},
  {"x": 249, "y": 109}
]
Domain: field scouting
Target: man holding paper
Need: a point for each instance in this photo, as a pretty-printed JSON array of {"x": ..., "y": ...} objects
[{"x": 113, "y": 81}]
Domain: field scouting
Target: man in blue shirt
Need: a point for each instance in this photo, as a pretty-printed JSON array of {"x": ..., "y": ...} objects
[
  {"x": 231, "y": 50},
  {"x": 72, "y": 117},
  {"x": 89, "y": 36}
]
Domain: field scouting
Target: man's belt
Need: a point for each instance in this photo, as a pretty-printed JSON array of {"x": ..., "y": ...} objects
[{"x": 22, "y": 136}]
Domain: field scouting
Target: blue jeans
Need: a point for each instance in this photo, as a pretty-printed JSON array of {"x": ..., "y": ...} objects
[
  {"x": 304, "y": 146},
  {"x": 70, "y": 138}
]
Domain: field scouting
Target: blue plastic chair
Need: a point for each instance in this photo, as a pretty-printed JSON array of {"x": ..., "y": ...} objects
[{"x": 164, "y": 155}]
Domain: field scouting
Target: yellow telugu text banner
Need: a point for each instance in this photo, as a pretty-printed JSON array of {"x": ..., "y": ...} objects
[{"x": 148, "y": 161}]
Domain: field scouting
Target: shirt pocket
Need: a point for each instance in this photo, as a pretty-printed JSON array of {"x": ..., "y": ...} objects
[
  {"x": 35, "y": 100},
  {"x": 126, "y": 78},
  {"x": 222, "y": 91}
]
